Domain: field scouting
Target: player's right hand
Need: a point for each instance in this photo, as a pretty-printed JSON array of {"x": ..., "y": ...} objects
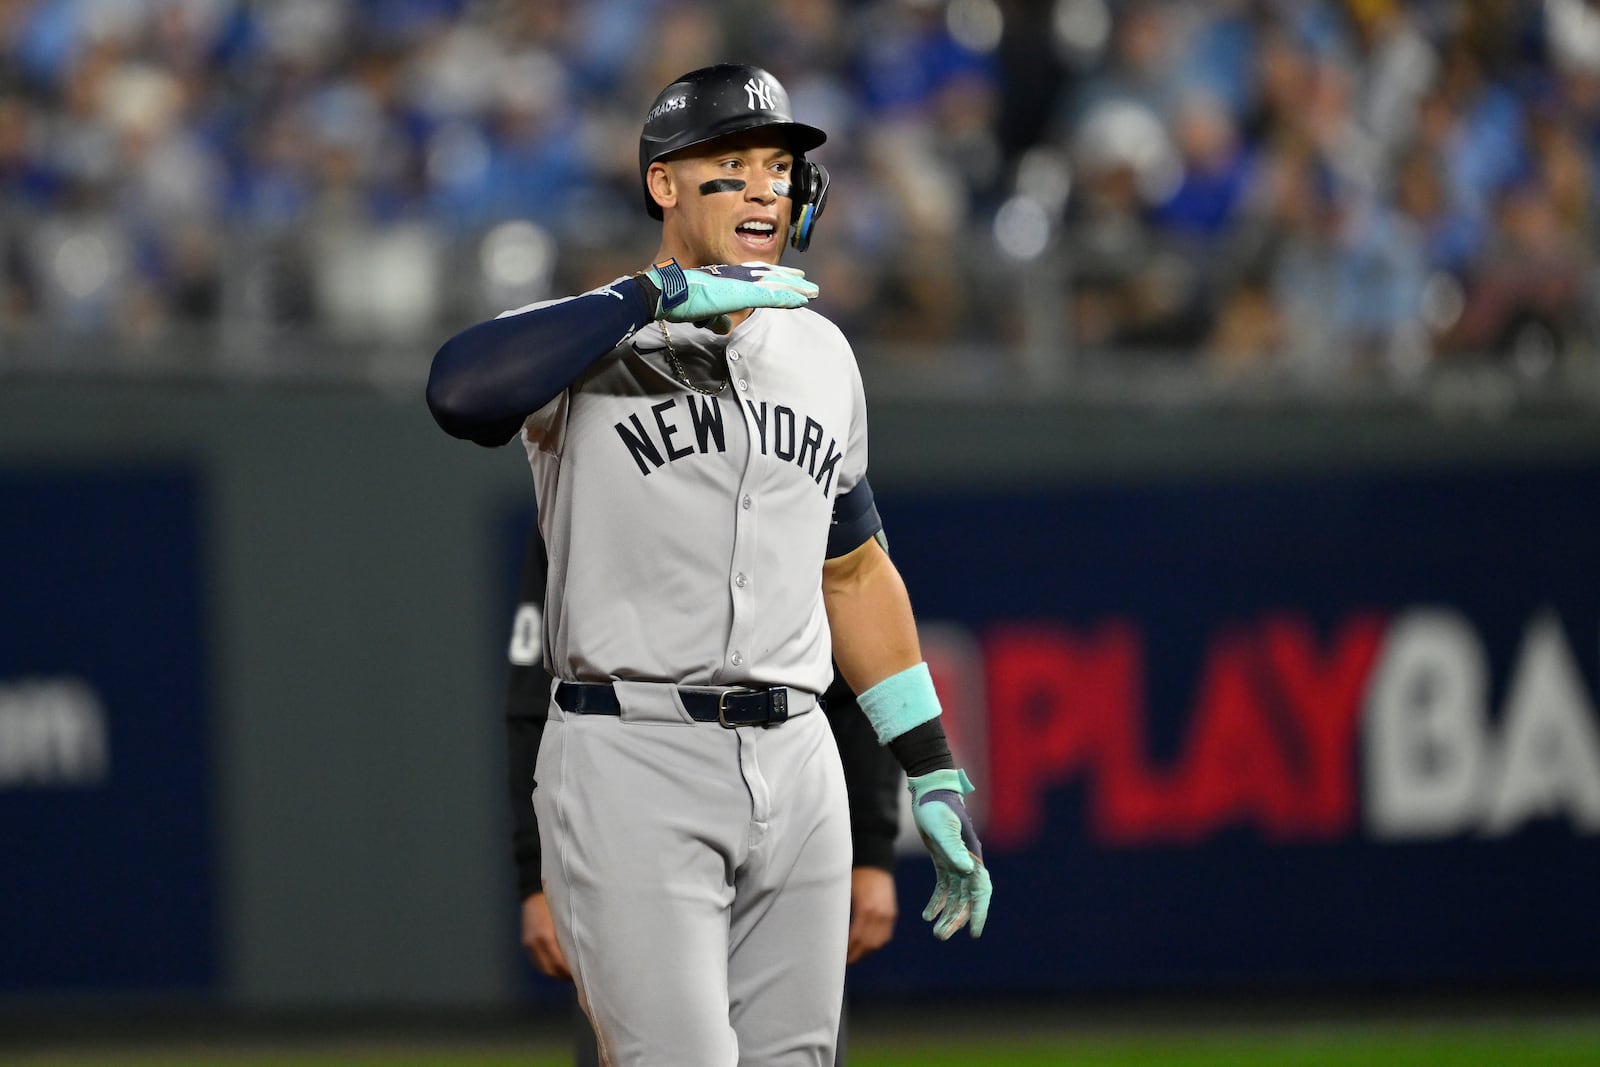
[
  {"x": 961, "y": 893},
  {"x": 706, "y": 294},
  {"x": 539, "y": 938}
]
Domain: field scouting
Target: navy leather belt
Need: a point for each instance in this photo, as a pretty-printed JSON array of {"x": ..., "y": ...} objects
[{"x": 729, "y": 707}]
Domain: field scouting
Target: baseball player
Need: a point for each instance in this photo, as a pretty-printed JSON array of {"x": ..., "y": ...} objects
[
  {"x": 872, "y": 780},
  {"x": 698, "y": 444}
]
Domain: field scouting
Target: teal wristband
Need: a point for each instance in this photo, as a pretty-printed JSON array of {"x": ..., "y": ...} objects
[{"x": 900, "y": 702}]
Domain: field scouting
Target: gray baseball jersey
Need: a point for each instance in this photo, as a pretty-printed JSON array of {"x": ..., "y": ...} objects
[
  {"x": 699, "y": 878},
  {"x": 734, "y": 492}
]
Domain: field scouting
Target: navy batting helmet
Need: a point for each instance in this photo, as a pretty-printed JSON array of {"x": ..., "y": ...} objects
[{"x": 729, "y": 98}]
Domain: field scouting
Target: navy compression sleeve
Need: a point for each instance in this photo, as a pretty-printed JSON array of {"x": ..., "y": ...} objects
[
  {"x": 490, "y": 377},
  {"x": 855, "y": 518}
]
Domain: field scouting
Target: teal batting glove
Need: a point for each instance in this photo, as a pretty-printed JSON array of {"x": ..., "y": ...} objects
[
  {"x": 705, "y": 296},
  {"x": 962, "y": 890}
]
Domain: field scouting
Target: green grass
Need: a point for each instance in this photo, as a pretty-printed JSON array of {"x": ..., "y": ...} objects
[
  {"x": 1332, "y": 1045},
  {"x": 1329, "y": 1047},
  {"x": 297, "y": 1057}
]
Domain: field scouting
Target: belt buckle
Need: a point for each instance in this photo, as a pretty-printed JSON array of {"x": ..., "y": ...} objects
[
  {"x": 722, "y": 707},
  {"x": 777, "y": 709}
]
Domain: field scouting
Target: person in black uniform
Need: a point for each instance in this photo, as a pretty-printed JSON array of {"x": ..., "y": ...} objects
[{"x": 873, "y": 782}]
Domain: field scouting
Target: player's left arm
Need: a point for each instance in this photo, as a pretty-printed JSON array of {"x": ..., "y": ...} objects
[
  {"x": 876, "y": 648},
  {"x": 869, "y": 612}
]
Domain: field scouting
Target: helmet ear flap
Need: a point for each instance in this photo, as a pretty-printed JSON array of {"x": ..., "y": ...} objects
[{"x": 810, "y": 197}]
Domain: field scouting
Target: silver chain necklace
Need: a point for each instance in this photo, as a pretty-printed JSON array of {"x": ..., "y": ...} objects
[{"x": 677, "y": 368}]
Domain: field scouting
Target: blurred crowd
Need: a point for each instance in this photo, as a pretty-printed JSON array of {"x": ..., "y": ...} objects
[{"x": 1343, "y": 187}]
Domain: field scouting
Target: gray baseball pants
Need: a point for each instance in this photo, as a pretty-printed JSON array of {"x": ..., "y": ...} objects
[{"x": 699, "y": 879}]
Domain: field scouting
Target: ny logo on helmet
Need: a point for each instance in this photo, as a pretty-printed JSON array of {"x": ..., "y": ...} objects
[{"x": 759, "y": 94}]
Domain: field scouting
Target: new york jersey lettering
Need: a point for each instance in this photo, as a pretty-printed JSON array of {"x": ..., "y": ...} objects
[
  {"x": 665, "y": 438},
  {"x": 665, "y": 435},
  {"x": 776, "y": 436}
]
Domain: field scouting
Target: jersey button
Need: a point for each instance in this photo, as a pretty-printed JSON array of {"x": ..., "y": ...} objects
[
  {"x": 733, "y": 354},
  {"x": 743, "y": 385},
  {"x": 740, "y": 580},
  {"x": 745, "y": 503},
  {"x": 736, "y": 659}
]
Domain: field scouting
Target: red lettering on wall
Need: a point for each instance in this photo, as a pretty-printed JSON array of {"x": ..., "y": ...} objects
[
  {"x": 1234, "y": 769},
  {"x": 1054, "y": 699},
  {"x": 1324, "y": 695},
  {"x": 1270, "y": 743}
]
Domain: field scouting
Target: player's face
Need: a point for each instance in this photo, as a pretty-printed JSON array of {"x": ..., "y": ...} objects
[{"x": 732, "y": 202}]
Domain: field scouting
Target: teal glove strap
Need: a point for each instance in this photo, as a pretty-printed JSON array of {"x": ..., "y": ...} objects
[
  {"x": 962, "y": 887},
  {"x": 900, "y": 702},
  {"x": 704, "y": 293}
]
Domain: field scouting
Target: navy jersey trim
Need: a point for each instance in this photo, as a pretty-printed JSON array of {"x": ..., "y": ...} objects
[{"x": 855, "y": 518}]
